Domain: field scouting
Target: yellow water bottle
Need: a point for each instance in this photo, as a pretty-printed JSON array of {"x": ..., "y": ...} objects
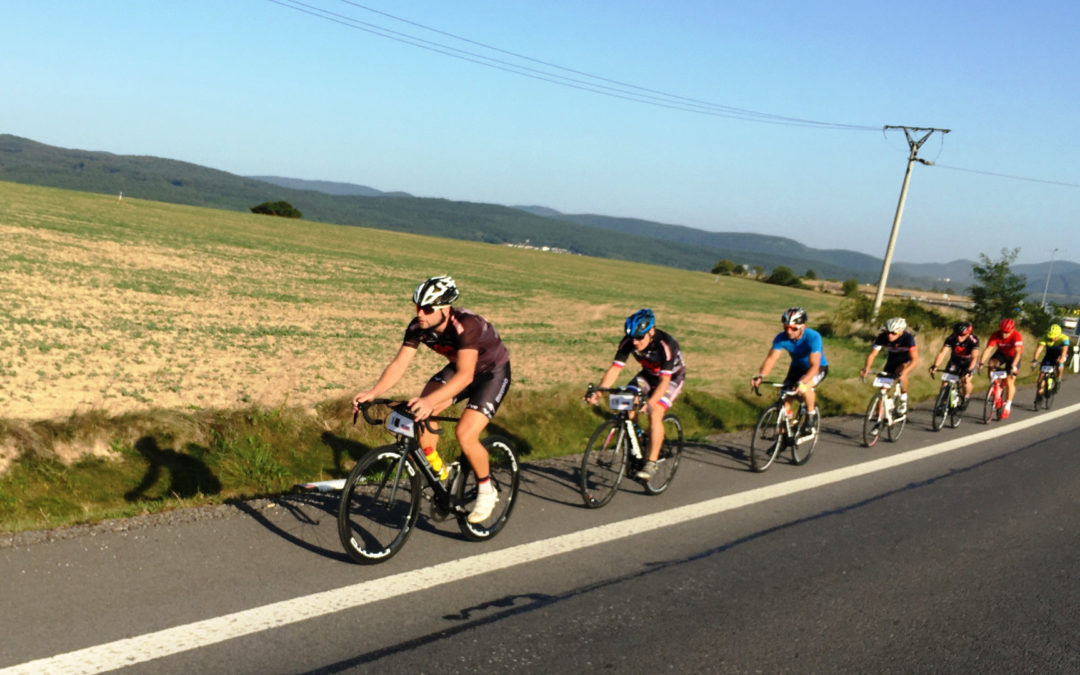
[{"x": 432, "y": 456}]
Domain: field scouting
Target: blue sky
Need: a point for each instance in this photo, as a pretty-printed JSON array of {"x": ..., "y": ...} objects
[{"x": 257, "y": 87}]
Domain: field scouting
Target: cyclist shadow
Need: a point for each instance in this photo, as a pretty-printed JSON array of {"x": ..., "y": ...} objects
[
  {"x": 553, "y": 480},
  {"x": 309, "y": 519},
  {"x": 188, "y": 476}
]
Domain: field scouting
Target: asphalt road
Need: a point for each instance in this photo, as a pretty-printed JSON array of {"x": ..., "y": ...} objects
[{"x": 889, "y": 559}]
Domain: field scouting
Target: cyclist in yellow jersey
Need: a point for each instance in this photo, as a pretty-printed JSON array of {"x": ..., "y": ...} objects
[{"x": 1054, "y": 348}]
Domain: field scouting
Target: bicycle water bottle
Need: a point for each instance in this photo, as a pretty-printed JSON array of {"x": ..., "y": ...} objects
[{"x": 432, "y": 457}]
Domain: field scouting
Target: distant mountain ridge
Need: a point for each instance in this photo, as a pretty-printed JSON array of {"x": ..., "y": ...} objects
[{"x": 26, "y": 161}]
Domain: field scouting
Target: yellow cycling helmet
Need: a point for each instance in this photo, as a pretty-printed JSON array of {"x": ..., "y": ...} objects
[{"x": 1054, "y": 332}]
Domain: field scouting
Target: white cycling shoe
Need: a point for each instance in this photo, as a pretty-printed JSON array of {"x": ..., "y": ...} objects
[{"x": 484, "y": 505}]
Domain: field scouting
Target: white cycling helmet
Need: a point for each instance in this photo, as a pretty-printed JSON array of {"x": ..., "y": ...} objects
[
  {"x": 435, "y": 292},
  {"x": 896, "y": 324}
]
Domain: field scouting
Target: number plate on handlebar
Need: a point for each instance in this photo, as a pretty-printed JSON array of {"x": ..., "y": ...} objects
[
  {"x": 949, "y": 377},
  {"x": 883, "y": 381},
  {"x": 401, "y": 425},
  {"x": 1048, "y": 369},
  {"x": 999, "y": 374},
  {"x": 621, "y": 401}
]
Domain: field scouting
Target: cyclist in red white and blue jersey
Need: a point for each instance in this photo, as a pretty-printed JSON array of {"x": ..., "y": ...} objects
[
  {"x": 660, "y": 380},
  {"x": 1004, "y": 349}
]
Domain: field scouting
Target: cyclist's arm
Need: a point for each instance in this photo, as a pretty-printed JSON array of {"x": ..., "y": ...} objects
[
  {"x": 659, "y": 391},
  {"x": 1038, "y": 351},
  {"x": 464, "y": 372},
  {"x": 767, "y": 365},
  {"x": 1016, "y": 360},
  {"x": 390, "y": 375},
  {"x": 1064, "y": 353},
  {"x": 910, "y": 365},
  {"x": 870, "y": 359},
  {"x": 986, "y": 356},
  {"x": 941, "y": 355}
]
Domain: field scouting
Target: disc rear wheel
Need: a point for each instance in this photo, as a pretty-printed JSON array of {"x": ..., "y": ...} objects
[{"x": 503, "y": 469}]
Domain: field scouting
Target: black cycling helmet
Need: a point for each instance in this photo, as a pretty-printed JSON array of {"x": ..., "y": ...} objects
[
  {"x": 435, "y": 292},
  {"x": 796, "y": 316},
  {"x": 640, "y": 322},
  {"x": 961, "y": 328}
]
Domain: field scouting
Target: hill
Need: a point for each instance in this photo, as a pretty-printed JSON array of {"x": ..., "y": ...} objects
[{"x": 29, "y": 162}]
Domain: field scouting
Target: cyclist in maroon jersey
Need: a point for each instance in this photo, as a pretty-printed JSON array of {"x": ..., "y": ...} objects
[
  {"x": 479, "y": 370},
  {"x": 659, "y": 382},
  {"x": 1004, "y": 348}
]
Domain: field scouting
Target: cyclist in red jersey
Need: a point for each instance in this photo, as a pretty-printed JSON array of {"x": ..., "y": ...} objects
[
  {"x": 1004, "y": 349},
  {"x": 479, "y": 370}
]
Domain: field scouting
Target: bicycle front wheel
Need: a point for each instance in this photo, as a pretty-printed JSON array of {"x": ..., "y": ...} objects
[
  {"x": 956, "y": 413},
  {"x": 603, "y": 466},
  {"x": 873, "y": 421},
  {"x": 767, "y": 439},
  {"x": 379, "y": 505},
  {"x": 897, "y": 426},
  {"x": 670, "y": 454},
  {"x": 1051, "y": 389},
  {"x": 805, "y": 441},
  {"x": 988, "y": 405},
  {"x": 941, "y": 408},
  {"x": 503, "y": 469}
]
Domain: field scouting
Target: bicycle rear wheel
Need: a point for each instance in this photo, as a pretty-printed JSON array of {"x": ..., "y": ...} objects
[
  {"x": 503, "y": 469},
  {"x": 379, "y": 505},
  {"x": 767, "y": 439},
  {"x": 941, "y": 408},
  {"x": 603, "y": 466},
  {"x": 803, "y": 446},
  {"x": 670, "y": 454},
  {"x": 873, "y": 421}
]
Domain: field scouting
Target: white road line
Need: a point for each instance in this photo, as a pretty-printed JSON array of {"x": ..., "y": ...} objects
[{"x": 142, "y": 648}]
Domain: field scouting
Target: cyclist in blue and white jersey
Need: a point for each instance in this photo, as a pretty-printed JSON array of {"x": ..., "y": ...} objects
[{"x": 808, "y": 363}]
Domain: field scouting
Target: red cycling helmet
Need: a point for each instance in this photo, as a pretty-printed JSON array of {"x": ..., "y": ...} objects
[{"x": 1007, "y": 325}]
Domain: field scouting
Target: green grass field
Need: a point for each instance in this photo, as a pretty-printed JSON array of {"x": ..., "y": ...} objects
[{"x": 155, "y": 355}]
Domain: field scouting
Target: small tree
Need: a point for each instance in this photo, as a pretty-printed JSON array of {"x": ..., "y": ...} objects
[
  {"x": 851, "y": 288},
  {"x": 998, "y": 292},
  {"x": 758, "y": 271},
  {"x": 783, "y": 276},
  {"x": 283, "y": 209},
  {"x": 810, "y": 274},
  {"x": 725, "y": 267}
]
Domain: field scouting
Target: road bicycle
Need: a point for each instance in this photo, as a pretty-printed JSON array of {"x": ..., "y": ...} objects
[
  {"x": 1049, "y": 386},
  {"x": 380, "y": 501},
  {"x": 777, "y": 428},
  {"x": 950, "y": 402},
  {"x": 994, "y": 401},
  {"x": 619, "y": 445},
  {"x": 885, "y": 412}
]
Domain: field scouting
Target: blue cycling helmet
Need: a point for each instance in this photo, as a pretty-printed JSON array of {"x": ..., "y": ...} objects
[{"x": 640, "y": 322}]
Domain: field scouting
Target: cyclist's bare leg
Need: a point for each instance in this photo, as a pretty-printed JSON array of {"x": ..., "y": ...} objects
[
  {"x": 809, "y": 400},
  {"x": 966, "y": 385},
  {"x": 656, "y": 431},
  {"x": 1010, "y": 388},
  {"x": 428, "y": 439},
  {"x": 472, "y": 424}
]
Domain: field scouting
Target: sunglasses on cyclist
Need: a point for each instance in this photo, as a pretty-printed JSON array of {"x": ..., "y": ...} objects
[
  {"x": 794, "y": 327},
  {"x": 426, "y": 309}
]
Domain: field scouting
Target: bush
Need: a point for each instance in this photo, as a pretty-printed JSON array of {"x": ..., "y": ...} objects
[
  {"x": 783, "y": 276},
  {"x": 283, "y": 209}
]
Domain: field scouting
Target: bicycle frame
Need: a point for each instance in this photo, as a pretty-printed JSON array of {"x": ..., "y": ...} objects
[
  {"x": 406, "y": 440},
  {"x": 994, "y": 401},
  {"x": 881, "y": 411}
]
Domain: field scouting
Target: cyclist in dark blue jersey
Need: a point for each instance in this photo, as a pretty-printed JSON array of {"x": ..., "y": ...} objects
[
  {"x": 808, "y": 363},
  {"x": 660, "y": 380}
]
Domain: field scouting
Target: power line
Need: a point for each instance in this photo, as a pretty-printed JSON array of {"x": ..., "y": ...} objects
[
  {"x": 613, "y": 88},
  {"x": 1005, "y": 175}
]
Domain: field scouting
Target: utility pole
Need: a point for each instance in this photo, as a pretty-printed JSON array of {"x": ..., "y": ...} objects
[
  {"x": 913, "y": 157},
  {"x": 1048, "y": 273}
]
